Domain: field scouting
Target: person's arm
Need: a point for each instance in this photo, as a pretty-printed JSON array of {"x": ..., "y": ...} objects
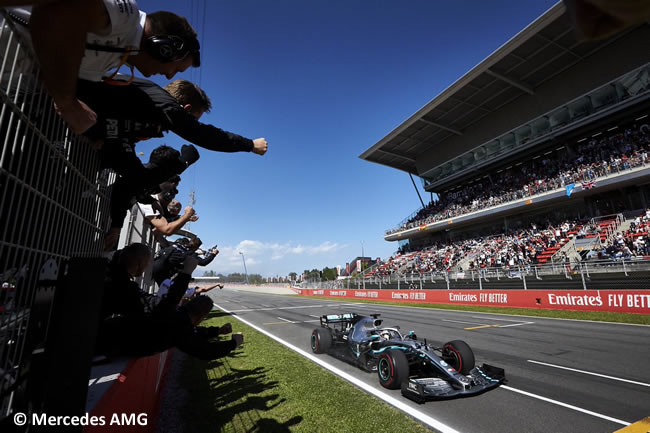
[
  {"x": 210, "y": 137},
  {"x": 213, "y": 331},
  {"x": 169, "y": 228},
  {"x": 199, "y": 347},
  {"x": 63, "y": 25},
  {"x": 208, "y": 257}
]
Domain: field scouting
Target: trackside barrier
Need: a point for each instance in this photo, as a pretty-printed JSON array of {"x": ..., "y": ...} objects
[
  {"x": 132, "y": 401},
  {"x": 613, "y": 301}
]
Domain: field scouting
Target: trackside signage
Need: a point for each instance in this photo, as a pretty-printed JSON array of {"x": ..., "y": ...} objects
[{"x": 621, "y": 301}]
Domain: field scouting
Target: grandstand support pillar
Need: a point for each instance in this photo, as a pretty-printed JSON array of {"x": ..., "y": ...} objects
[
  {"x": 420, "y": 281},
  {"x": 480, "y": 281},
  {"x": 624, "y": 268},
  {"x": 582, "y": 275},
  {"x": 447, "y": 279},
  {"x": 397, "y": 281},
  {"x": 416, "y": 189},
  {"x": 364, "y": 284},
  {"x": 523, "y": 278}
]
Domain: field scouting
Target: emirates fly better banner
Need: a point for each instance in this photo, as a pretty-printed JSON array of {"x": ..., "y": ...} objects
[{"x": 616, "y": 301}]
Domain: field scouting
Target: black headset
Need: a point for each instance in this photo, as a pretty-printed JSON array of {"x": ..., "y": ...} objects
[{"x": 164, "y": 48}]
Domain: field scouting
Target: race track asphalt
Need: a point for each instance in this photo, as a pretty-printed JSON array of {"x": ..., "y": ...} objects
[{"x": 607, "y": 388}]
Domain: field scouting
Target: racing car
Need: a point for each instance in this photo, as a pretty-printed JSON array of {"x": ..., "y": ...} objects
[{"x": 422, "y": 371}]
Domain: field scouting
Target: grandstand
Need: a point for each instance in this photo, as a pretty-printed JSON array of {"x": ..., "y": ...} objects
[{"x": 538, "y": 158}]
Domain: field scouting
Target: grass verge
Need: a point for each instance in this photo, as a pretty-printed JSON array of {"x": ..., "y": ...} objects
[
  {"x": 265, "y": 387},
  {"x": 641, "y": 319}
]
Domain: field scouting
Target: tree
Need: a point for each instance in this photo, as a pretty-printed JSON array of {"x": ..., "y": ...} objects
[{"x": 329, "y": 274}]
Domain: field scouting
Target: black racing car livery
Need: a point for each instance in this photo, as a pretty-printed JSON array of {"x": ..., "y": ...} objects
[{"x": 422, "y": 371}]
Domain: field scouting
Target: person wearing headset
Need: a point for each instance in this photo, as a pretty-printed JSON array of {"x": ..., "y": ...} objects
[{"x": 90, "y": 39}]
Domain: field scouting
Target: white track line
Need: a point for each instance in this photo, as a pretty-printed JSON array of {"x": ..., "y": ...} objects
[
  {"x": 589, "y": 372},
  {"x": 497, "y": 318},
  {"x": 275, "y": 308},
  {"x": 569, "y": 406},
  {"x": 467, "y": 323},
  {"x": 516, "y": 324},
  {"x": 420, "y": 416},
  {"x": 286, "y": 320}
]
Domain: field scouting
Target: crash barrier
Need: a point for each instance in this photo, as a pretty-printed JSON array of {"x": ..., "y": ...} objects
[
  {"x": 54, "y": 202},
  {"x": 129, "y": 396},
  {"x": 613, "y": 301}
]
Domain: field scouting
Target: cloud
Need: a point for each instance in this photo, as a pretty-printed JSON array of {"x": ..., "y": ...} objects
[{"x": 262, "y": 253}]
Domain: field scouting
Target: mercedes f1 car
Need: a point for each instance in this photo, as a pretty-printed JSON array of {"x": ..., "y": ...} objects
[{"x": 422, "y": 371}]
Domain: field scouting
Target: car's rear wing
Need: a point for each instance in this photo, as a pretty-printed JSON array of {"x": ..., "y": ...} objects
[{"x": 328, "y": 319}]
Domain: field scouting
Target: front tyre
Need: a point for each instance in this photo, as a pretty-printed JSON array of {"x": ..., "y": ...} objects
[
  {"x": 459, "y": 355},
  {"x": 321, "y": 340},
  {"x": 392, "y": 369}
]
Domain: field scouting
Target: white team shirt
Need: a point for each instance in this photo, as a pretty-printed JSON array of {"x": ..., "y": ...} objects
[{"x": 125, "y": 30}]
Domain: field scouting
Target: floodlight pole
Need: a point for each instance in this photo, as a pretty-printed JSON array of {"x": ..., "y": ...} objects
[{"x": 245, "y": 271}]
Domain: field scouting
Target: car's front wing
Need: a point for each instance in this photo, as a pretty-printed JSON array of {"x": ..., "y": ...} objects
[{"x": 423, "y": 389}]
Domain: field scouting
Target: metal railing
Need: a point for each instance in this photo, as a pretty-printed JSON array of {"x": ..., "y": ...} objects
[
  {"x": 54, "y": 209},
  {"x": 621, "y": 273}
]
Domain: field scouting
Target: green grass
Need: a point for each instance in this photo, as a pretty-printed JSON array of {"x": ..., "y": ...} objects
[
  {"x": 642, "y": 319},
  {"x": 264, "y": 387}
]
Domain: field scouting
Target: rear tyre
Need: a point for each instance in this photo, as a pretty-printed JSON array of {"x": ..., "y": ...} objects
[
  {"x": 392, "y": 369},
  {"x": 459, "y": 355},
  {"x": 321, "y": 340}
]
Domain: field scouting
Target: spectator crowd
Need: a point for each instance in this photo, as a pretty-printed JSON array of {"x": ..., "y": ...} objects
[
  {"x": 578, "y": 164},
  {"x": 531, "y": 246}
]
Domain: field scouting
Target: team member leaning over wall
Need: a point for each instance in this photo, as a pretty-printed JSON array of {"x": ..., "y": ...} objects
[
  {"x": 136, "y": 323},
  {"x": 143, "y": 109}
]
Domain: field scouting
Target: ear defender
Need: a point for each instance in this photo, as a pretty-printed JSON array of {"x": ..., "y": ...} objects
[{"x": 169, "y": 48}]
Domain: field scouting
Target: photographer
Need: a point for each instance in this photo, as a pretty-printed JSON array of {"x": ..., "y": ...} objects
[{"x": 169, "y": 261}]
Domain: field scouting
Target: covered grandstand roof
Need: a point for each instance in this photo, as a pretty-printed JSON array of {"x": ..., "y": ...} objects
[{"x": 537, "y": 54}]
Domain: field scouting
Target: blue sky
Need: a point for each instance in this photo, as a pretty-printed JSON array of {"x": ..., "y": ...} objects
[{"x": 322, "y": 81}]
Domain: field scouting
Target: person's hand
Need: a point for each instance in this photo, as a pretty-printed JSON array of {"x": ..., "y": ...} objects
[
  {"x": 260, "y": 145},
  {"x": 214, "y": 251},
  {"x": 76, "y": 114},
  {"x": 189, "y": 212},
  {"x": 194, "y": 218},
  {"x": 225, "y": 329},
  {"x": 111, "y": 238},
  {"x": 238, "y": 338},
  {"x": 190, "y": 263}
]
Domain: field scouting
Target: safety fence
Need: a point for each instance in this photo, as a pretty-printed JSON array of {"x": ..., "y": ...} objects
[
  {"x": 54, "y": 210},
  {"x": 620, "y": 273}
]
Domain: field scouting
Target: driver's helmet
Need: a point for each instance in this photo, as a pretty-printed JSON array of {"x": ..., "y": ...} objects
[{"x": 385, "y": 335}]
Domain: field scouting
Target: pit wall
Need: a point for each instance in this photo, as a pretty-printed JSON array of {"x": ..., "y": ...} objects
[
  {"x": 614, "y": 301},
  {"x": 131, "y": 402}
]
